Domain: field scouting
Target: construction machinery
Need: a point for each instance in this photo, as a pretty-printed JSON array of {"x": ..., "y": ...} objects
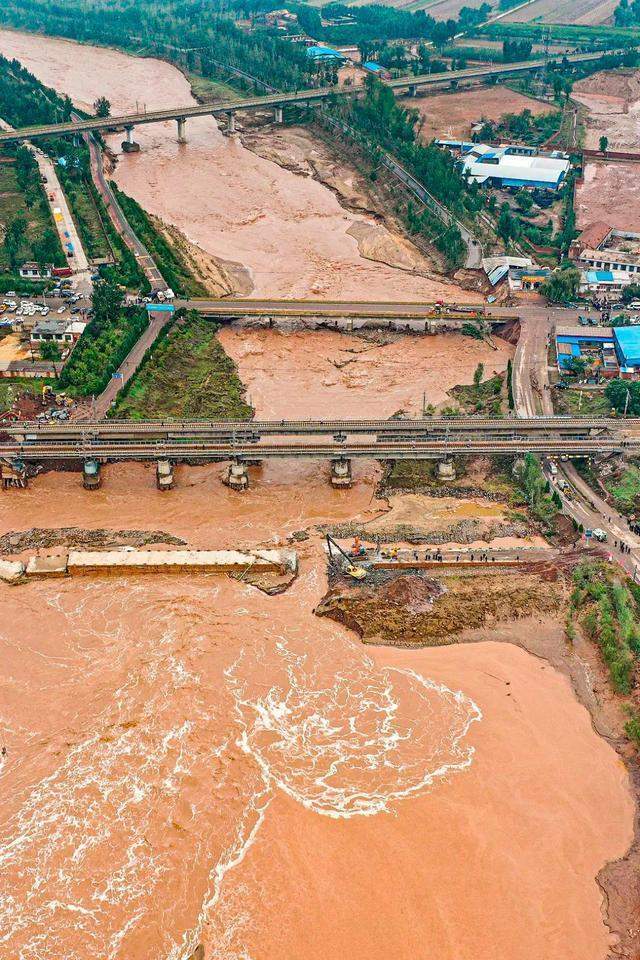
[{"x": 340, "y": 559}]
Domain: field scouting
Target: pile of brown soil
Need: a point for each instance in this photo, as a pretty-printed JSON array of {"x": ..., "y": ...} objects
[
  {"x": 467, "y": 603},
  {"x": 414, "y": 594}
]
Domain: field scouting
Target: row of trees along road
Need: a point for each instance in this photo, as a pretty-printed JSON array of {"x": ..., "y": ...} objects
[{"x": 108, "y": 338}]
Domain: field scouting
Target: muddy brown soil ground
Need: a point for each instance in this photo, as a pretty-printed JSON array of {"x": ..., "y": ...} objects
[
  {"x": 610, "y": 190},
  {"x": 452, "y": 114},
  {"x": 613, "y": 103}
]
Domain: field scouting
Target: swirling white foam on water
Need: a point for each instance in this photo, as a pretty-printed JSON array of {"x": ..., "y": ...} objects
[
  {"x": 326, "y": 727},
  {"x": 342, "y": 747}
]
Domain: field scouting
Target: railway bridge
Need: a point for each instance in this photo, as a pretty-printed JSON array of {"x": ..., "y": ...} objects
[{"x": 339, "y": 441}]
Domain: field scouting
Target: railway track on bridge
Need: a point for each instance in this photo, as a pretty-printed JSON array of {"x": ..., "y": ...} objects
[
  {"x": 560, "y": 426},
  {"x": 189, "y": 449},
  {"x": 333, "y": 439}
]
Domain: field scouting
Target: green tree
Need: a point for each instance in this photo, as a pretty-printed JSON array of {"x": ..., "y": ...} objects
[
  {"x": 46, "y": 247},
  {"x": 603, "y": 143},
  {"x": 508, "y": 227},
  {"x": 524, "y": 200},
  {"x": 562, "y": 285},
  {"x": 624, "y": 395},
  {"x": 102, "y": 107},
  {"x": 14, "y": 239},
  {"x": 50, "y": 350},
  {"x": 576, "y": 366},
  {"x": 478, "y": 374}
]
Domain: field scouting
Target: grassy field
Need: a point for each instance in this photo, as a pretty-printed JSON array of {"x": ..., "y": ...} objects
[
  {"x": 187, "y": 375},
  {"x": 593, "y": 403},
  {"x": 204, "y": 89},
  {"x": 484, "y": 399},
  {"x": 87, "y": 217},
  {"x": 570, "y": 33},
  {"x": 19, "y": 386},
  {"x": 625, "y": 490}
]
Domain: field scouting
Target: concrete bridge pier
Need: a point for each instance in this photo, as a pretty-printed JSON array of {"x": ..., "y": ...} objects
[
  {"x": 278, "y": 114},
  {"x": 446, "y": 469},
  {"x": 341, "y": 473},
  {"x": 129, "y": 145},
  {"x": 91, "y": 479},
  {"x": 182, "y": 126},
  {"x": 237, "y": 477},
  {"x": 413, "y": 90},
  {"x": 231, "y": 122}
]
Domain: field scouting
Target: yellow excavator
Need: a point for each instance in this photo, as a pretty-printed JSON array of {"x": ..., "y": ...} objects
[{"x": 339, "y": 558}]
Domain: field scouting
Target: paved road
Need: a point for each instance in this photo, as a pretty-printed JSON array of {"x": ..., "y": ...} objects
[
  {"x": 354, "y": 309},
  {"x": 533, "y": 397},
  {"x": 145, "y": 261},
  {"x": 64, "y": 222},
  {"x": 129, "y": 365}
]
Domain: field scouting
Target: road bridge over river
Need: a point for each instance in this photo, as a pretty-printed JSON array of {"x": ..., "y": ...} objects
[
  {"x": 276, "y": 101},
  {"x": 439, "y": 315}
]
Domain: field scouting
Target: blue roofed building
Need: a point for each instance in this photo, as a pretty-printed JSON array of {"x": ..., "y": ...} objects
[
  {"x": 376, "y": 68},
  {"x": 324, "y": 53},
  {"x": 627, "y": 340},
  {"x": 514, "y": 166},
  {"x": 595, "y": 344}
]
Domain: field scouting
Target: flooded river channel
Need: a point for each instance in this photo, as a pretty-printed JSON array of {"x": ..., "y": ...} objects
[{"x": 192, "y": 761}]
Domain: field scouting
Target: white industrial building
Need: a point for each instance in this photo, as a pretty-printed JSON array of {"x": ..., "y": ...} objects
[{"x": 513, "y": 166}]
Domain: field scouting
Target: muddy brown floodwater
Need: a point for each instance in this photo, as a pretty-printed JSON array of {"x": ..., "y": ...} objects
[
  {"x": 346, "y": 376},
  {"x": 288, "y": 232},
  {"x": 190, "y": 760}
]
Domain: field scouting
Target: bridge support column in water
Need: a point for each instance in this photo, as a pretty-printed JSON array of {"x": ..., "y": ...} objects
[
  {"x": 129, "y": 145},
  {"x": 278, "y": 114},
  {"x": 237, "y": 477},
  {"x": 231, "y": 122},
  {"x": 341, "y": 473},
  {"x": 182, "y": 126}
]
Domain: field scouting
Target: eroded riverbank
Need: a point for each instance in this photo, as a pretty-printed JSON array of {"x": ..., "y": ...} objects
[
  {"x": 288, "y": 232},
  {"x": 193, "y": 761}
]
